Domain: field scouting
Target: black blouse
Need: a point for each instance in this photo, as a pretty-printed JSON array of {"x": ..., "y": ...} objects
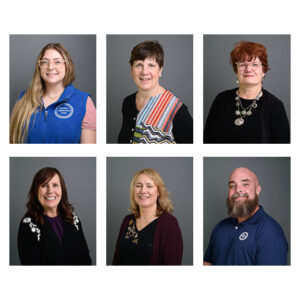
[
  {"x": 136, "y": 246},
  {"x": 182, "y": 123},
  {"x": 267, "y": 124},
  {"x": 39, "y": 244}
]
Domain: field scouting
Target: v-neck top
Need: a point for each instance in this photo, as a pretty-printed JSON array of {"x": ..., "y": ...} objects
[{"x": 136, "y": 246}]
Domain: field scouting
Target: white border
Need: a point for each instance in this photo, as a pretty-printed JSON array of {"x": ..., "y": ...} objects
[{"x": 152, "y": 17}]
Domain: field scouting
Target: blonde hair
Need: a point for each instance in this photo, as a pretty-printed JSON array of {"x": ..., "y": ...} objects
[
  {"x": 164, "y": 202},
  {"x": 32, "y": 99}
]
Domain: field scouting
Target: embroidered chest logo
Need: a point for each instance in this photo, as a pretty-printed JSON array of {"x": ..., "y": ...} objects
[
  {"x": 243, "y": 236},
  {"x": 64, "y": 111}
]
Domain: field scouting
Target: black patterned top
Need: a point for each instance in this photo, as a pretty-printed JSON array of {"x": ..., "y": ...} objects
[{"x": 136, "y": 246}]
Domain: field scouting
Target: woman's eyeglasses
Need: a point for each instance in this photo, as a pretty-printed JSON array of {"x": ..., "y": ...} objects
[
  {"x": 57, "y": 63},
  {"x": 253, "y": 65}
]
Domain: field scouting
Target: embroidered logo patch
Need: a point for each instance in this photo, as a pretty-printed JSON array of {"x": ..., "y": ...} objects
[
  {"x": 64, "y": 111},
  {"x": 243, "y": 236}
]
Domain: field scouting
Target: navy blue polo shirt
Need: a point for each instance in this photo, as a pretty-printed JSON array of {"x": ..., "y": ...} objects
[{"x": 257, "y": 241}]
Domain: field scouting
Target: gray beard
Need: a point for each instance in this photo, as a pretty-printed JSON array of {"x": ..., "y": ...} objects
[{"x": 243, "y": 210}]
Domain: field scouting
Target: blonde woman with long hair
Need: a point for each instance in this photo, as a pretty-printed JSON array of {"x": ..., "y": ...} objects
[
  {"x": 150, "y": 235},
  {"x": 52, "y": 110}
]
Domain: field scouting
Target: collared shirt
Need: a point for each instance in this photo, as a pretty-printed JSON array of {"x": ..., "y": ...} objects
[{"x": 257, "y": 241}]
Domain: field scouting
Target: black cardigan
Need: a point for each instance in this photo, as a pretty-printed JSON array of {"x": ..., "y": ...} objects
[
  {"x": 39, "y": 245},
  {"x": 267, "y": 124},
  {"x": 182, "y": 123}
]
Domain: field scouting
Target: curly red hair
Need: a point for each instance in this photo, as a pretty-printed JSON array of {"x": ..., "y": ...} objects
[{"x": 247, "y": 51}]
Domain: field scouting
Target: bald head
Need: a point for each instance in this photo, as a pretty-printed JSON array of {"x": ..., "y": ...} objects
[
  {"x": 243, "y": 180},
  {"x": 244, "y": 173}
]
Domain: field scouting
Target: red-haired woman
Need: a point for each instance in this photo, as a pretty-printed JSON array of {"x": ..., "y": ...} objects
[
  {"x": 50, "y": 233},
  {"x": 249, "y": 113}
]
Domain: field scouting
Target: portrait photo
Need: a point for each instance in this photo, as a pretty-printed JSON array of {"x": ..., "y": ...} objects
[
  {"x": 52, "y": 85},
  {"x": 52, "y": 219},
  {"x": 247, "y": 211},
  {"x": 246, "y": 88},
  {"x": 149, "y": 211},
  {"x": 149, "y": 75}
]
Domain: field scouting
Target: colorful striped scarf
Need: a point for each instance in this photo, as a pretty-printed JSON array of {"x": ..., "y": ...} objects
[{"x": 154, "y": 121}]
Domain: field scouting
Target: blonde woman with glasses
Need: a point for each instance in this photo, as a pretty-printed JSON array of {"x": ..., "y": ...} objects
[{"x": 52, "y": 110}]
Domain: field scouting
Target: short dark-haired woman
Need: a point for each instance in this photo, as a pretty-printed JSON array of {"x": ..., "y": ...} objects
[
  {"x": 153, "y": 115},
  {"x": 249, "y": 113},
  {"x": 50, "y": 232}
]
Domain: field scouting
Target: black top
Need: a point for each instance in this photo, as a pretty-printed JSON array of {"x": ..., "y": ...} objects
[
  {"x": 182, "y": 123},
  {"x": 267, "y": 124},
  {"x": 40, "y": 245},
  {"x": 136, "y": 246}
]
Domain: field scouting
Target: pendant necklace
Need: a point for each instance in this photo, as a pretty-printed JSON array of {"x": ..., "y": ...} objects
[{"x": 244, "y": 111}]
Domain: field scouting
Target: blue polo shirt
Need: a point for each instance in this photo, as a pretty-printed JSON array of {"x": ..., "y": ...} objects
[
  {"x": 257, "y": 241},
  {"x": 61, "y": 121}
]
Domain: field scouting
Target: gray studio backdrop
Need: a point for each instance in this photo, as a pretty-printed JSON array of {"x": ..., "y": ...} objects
[
  {"x": 177, "y": 75},
  {"x": 80, "y": 176},
  {"x": 218, "y": 73},
  {"x": 274, "y": 177},
  {"x": 24, "y": 50},
  {"x": 177, "y": 174}
]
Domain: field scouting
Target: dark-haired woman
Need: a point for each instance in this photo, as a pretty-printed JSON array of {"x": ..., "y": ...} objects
[
  {"x": 52, "y": 110},
  {"x": 50, "y": 232},
  {"x": 249, "y": 113},
  {"x": 153, "y": 115}
]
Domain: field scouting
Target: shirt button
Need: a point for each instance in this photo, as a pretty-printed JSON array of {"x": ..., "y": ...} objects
[
  {"x": 134, "y": 118},
  {"x": 236, "y": 227},
  {"x": 130, "y": 141},
  {"x": 132, "y": 129}
]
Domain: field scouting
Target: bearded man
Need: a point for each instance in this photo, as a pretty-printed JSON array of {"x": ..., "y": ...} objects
[{"x": 249, "y": 236}]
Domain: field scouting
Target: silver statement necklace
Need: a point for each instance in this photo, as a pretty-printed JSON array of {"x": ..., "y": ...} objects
[{"x": 243, "y": 112}]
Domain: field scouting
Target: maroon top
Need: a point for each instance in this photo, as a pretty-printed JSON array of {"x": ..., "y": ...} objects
[{"x": 167, "y": 243}]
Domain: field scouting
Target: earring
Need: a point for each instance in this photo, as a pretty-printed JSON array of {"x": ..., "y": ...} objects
[{"x": 237, "y": 81}]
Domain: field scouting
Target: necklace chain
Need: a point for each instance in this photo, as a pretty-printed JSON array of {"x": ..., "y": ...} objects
[
  {"x": 54, "y": 96},
  {"x": 245, "y": 111}
]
